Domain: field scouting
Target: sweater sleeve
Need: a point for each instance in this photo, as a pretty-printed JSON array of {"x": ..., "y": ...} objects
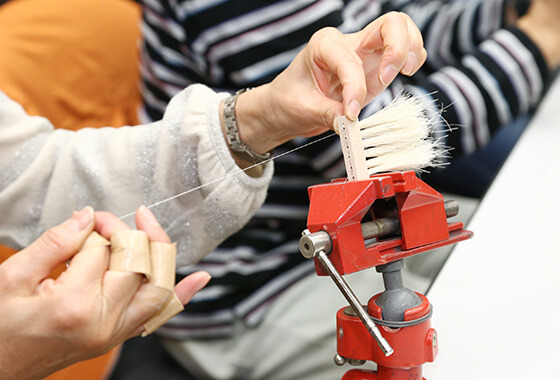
[
  {"x": 45, "y": 174},
  {"x": 452, "y": 29}
]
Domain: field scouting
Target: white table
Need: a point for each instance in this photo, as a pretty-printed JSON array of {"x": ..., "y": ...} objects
[{"x": 497, "y": 299}]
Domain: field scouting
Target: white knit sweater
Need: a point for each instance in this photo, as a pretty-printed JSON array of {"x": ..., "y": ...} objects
[{"x": 45, "y": 174}]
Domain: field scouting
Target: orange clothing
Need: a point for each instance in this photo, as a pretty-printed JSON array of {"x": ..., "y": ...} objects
[{"x": 76, "y": 63}]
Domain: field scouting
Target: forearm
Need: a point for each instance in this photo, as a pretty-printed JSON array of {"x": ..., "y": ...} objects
[
  {"x": 119, "y": 169},
  {"x": 542, "y": 26}
]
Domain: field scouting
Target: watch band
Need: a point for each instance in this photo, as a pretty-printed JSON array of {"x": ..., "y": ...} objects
[{"x": 232, "y": 133}]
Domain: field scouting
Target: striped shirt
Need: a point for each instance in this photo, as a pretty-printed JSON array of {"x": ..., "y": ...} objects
[{"x": 481, "y": 74}]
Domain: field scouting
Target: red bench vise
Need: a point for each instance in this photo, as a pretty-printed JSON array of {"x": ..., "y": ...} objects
[{"x": 356, "y": 225}]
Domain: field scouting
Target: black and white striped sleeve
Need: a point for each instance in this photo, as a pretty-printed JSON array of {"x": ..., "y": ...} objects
[
  {"x": 503, "y": 79},
  {"x": 452, "y": 29}
]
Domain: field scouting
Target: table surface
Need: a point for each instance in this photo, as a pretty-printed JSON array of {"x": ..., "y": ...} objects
[{"x": 497, "y": 299}]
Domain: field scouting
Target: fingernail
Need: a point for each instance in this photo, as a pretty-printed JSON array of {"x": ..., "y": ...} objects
[
  {"x": 354, "y": 109},
  {"x": 410, "y": 65},
  {"x": 148, "y": 216},
  {"x": 83, "y": 218},
  {"x": 389, "y": 73}
]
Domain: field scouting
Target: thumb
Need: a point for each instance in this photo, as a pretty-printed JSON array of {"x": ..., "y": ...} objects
[{"x": 54, "y": 247}]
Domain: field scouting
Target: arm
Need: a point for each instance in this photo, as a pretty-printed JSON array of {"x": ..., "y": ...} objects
[
  {"x": 451, "y": 32},
  {"x": 504, "y": 78},
  {"x": 49, "y": 173}
]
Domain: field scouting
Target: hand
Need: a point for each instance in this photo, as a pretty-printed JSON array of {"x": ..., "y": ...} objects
[
  {"x": 47, "y": 324},
  {"x": 334, "y": 74}
]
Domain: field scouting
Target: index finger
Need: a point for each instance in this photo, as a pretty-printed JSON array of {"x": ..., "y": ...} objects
[
  {"x": 92, "y": 265},
  {"x": 417, "y": 54},
  {"x": 107, "y": 224},
  {"x": 390, "y": 33},
  {"x": 332, "y": 53}
]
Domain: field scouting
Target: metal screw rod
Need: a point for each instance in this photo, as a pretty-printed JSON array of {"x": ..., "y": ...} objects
[
  {"x": 451, "y": 208},
  {"x": 390, "y": 224},
  {"x": 354, "y": 302},
  {"x": 380, "y": 227}
]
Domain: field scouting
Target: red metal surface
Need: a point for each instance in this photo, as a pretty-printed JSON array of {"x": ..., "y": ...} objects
[
  {"x": 384, "y": 373},
  {"x": 339, "y": 208},
  {"x": 413, "y": 345},
  {"x": 422, "y": 216}
]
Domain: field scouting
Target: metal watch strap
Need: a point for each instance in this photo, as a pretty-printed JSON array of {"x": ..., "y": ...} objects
[{"x": 232, "y": 133}]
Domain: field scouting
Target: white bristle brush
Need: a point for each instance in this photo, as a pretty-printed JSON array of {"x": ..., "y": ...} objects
[{"x": 396, "y": 138}]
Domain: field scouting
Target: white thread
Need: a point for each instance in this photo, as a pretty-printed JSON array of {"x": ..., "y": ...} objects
[
  {"x": 398, "y": 137},
  {"x": 229, "y": 175}
]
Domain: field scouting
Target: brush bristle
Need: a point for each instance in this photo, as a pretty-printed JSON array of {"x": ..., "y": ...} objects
[{"x": 399, "y": 137}]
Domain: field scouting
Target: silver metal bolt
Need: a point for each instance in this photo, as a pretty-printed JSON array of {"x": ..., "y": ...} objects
[
  {"x": 339, "y": 360},
  {"x": 311, "y": 243}
]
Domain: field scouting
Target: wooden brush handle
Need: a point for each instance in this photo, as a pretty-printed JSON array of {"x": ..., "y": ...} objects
[{"x": 352, "y": 148}]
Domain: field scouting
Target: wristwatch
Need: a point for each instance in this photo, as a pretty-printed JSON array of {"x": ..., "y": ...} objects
[{"x": 232, "y": 133}]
